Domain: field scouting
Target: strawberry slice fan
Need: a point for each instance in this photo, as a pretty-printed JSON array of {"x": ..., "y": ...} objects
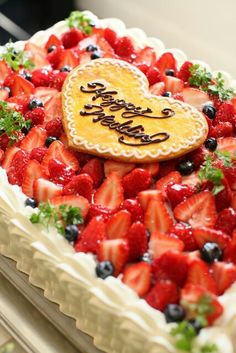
[{"x": 118, "y": 185}]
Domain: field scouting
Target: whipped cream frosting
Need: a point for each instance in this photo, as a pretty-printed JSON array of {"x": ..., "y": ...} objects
[{"x": 108, "y": 310}]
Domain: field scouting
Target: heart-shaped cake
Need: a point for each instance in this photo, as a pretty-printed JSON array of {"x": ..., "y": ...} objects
[{"x": 111, "y": 97}]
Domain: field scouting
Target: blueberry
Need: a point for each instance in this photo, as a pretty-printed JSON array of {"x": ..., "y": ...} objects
[
  {"x": 211, "y": 144},
  {"x": 52, "y": 48},
  {"x": 174, "y": 313},
  {"x": 49, "y": 140},
  {"x": 91, "y": 47},
  {"x": 31, "y": 202},
  {"x": 95, "y": 55},
  {"x": 27, "y": 75},
  {"x": 185, "y": 167},
  {"x": 66, "y": 68},
  {"x": 146, "y": 257},
  {"x": 35, "y": 103},
  {"x": 196, "y": 324},
  {"x": 211, "y": 252},
  {"x": 71, "y": 232},
  {"x": 167, "y": 94},
  {"x": 104, "y": 269},
  {"x": 170, "y": 72},
  {"x": 209, "y": 110}
]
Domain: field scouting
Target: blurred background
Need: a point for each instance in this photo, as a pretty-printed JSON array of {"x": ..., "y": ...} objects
[{"x": 203, "y": 29}]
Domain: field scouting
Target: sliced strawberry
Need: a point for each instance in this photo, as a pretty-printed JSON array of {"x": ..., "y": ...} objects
[
  {"x": 68, "y": 58},
  {"x": 98, "y": 210},
  {"x": 71, "y": 38},
  {"x": 177, "y": 193},
  {"x": 110, "y": 194},
  {"x": 84, "y": 57},
  {"x": 54, "y": 127},
  {"x": 198, "y": 210},
  {"x": 110, "y": 36},
  {"x": 230, "y": 175},
  {"x": 135, "y": 209},
  {"x": 8, "y": 156},
  {"x": 172, "y": 265},
  {"x": 226, "y": 220},
  {"x": 81, "y": 184},
  {"x": 161, "y": 243},
  {"x": 35, "y": 138},
  {"x": 114, "y": 250},
  {"x": 173, "y": 84},
  {"x": 191, "y": 180},
  {"x": 224, "y": 274},
  {"x": 1, "y": 155},
  {"x": 226, "y": 112},
  {"x": 163, "y": 293},
  {"x": 184, "y": 73},
  {"x": 105, "y": 48},
  {"x": 38, "y": 153},
  {"x": 37, "y": 55},
  {"x": 185, "y": 233},
  {"x": 136, "y": 181},
  {"x": 146, "y": 56},
  {"x": 153, "y": 75},
  {"x": 165, "y": 62},
  {"x": 199, "y": 274},
  {"x": 72, "y": 200},
  {"x": 224, "y": 198},
  {"x": 94, "y": 168},
  {"x": 36, "y": 116},
  {"x": 124, "y": 47},
  {"x": 32, "y": 172},
  {"x": 45, "y": 93},
  {"x": 158, "y": 88},
  {"x": 153, "y": 168},
  {"x": 44, "y": 190},
  {"x": 157, "y": 216},
  {"x": 22, "y": 86},
  {"x": 59, "y": 172},
  {"x": 119, "y": 167},
  {"x": 118, "y": 225},
  {"x": 221, "y": 130},
  {"x": 204, "y": 235},
  {"x": 17, "y": 167},
  {"x": 54, "y": 56},
  {"x": 41, "y": 77},
  {"x": 227, "y": 144},
  {"x": 53, "y": 41},
  {"x": 146, "y": 196},
  {"x": 172, "y": 177},
  {"x": 137, "y": 241},
  {"x": 58, "y": 151},
  {"x": 58, "y": 78},
  {"x": 53, "y": 107},
  {"x": 138, "y": 277},
  {"x": 195, "y": 97},
  {"x": 5, "y": 70}
]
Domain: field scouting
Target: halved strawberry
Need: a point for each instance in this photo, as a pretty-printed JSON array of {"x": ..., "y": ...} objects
[
  {"x": 184, "y": 73},
  {"x": 17, "y": 167},
  {"x": 5, "y": 70},
  {"x": 53, "y": 40},
  {"x": 58, "y": 151},
  {"x": 41, "y": 77},
  {"x": 1, "y": 155},
  {"x": 199, "y": 274},
  {"x": 173, "y": 84},
  {"x": 110, "y": 36},
  {"x": 44, "y": 190},
  {"x": 163, "y": 293},
  {"x": 37, "y": 55},
  {"x": 195, "y": 97},
  {"x": 53, "y": 107},
  {"x": 22, "y": 86},
  {"x": 98, "y": 210},
  {"x": 110, "y": 194},
  {"x": 94, "y": 168},
  {"x": 134, "y": 207},
  {"x": 136, "y": 181},
  {"x": 59, "y": 172},
  {"x": 165, "y": 62},
  {"x": 153, "y": 75},
  {"x": 118, "y": 224},
  {"x": 119, "y": 167},
  {"x": 157, "y": 216},
  {"x": 35, "y": 138},
  {"x": 161, "y": 243},
  {"x": 45, "y": 93},
  {"x": 177, "y": 193},
  {"x": 198, "y": 210},
  {"x": 72, "y": 200},
  {"x": 71, "y": 38},
  {"x": 8, "y": 156},
  {"x": 172, "y": 177},
  {"x": 227, "y": 144},
  {"x": 153, "y": 168},
  {"x": 224, "y": 274},
  {"x": 68, "y": 58},
  {"x": 137, "y": 241},
  {"x": 105, "y": 48},
  {"x": 81, "y": 184},
  {"x": 32, "y": 172},
  {"x": 145, "y": 56},
  {"x": 158, "y": 88},
  {"x": 114, "y": 250},
  {"x": 138, "y": 277},
  {"x": 226, "y": 220},
  {"x": 185, "y": 233},
  {"x": 124, "y": 47},
  {"x": 146, "y": 196},
  {"x": 204, "y": 235}
]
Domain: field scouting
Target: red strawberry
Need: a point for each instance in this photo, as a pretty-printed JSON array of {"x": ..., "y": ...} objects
[
  {"x": 227, "y": 144},
  {"x": 19, "y": 103},
  {"x": 8, "y": 157},
  {"x": 226, "y": 220},
  {"x": 133, "y": 206},
  {"x": 37, "y": 54},
  {"x": 114, "y": 250},
  {"x": 120, "y": 168},
  {"x": 36, "y": 116},
  {"x": 173, "y": 84},
  {"x": 41, "y": 77},
  {"x": 110, "y": 36},
  {"x": 54, "y": 127},
  {"x": 45, "y": 93},
  {"x": 226, "y": 112},
  {"x": 146, "y": 196},
  {"x": 105, "y": 48},
  {"x": 1, "y": 155},
  {"x": 199, "y": 274},
  {"x": 35, "y": 138},
  {"x": 94, "y": 168},
  {"x": 142, "y": 67},
  {"x": 198, "y": 210},
  {"x": 44, "y": 190},
  {"x": 158, "y": 88},
  {"x": 204, "y": 235},
  {"x": 184, "y": 232},
  {"x": 172, "y": 177},
  {"x": 53, "y": 107},
  {"x": 81, "y": 184},
  {"x": 230, "y": 250},
  {"x": 138, "y": 277},
  {"x": 195, "y": 97},
  {"x": 17, "y": 167},
  {"x": 59, "y": 172},
  {"x": 54, "y": 56},
  {"x": 223, "y": 198},
  {"x": 68, "y": 58},
  {"x": 53, "y": 41},
  {"x": 184, "y": 73},
  {"x": 224, "y": 129},
  {"x": 72, "y": 200},
  {"x": 124, "y": 47},
  {"x": 4, "y": 141},
  {"x": 136, "y": 181},
  {"x": 153, "y": 168},
  {"x": 58, "y": 79},
  {"x": 157, "y": 216},
  {"x": 230, "y": 175},
  {"x": 71, "y": 38},
  {"x": 118, "y": 225},
  {"x": 58, "y": 151},
  {"x": 162, "y": 294},
  {"x": 165, "y": 62},
  {"x": 32, "y": 172},
  {"x": 198, "y": 156},
  {"x": 177, "y": 193},
  {"x": 161, "y": 243},
  {"x": 153, "y": 75},
  {"x": 5, "y": 70},
  {"x": 224, "y": 274},
  {"x": 22, "y": 86},
  {"x": 98, "y": 210},
  {"x": 38, "y": 153},
  {"x": 110, "y": 194},
  {"x": 137, "y": 241},
  {"x": 172, "y": 265},
  {"x": 145, "y": 56}
]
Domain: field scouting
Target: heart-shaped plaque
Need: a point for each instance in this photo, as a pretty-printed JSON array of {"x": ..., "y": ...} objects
[{"x": 108, "y": 111}]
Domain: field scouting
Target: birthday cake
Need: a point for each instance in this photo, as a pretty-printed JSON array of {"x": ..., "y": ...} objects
[{"x": 118, "y": 185}]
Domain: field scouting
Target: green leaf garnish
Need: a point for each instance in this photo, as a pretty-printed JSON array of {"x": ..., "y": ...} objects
[
  {"x": 16, "y": 58},
  {"x": 200, "y": 309},
  {"x": 81, "y": 21},
  {"x": 225, "y": 157},
  {"x": 58, "y": 217},
  {"x": 209, "y": 348},
  {"x": 11, "y": 122},
  {"x": 210, "y": 173},
  {"x": 203, "y": 79},
  {"x": 184, "y": 334}
]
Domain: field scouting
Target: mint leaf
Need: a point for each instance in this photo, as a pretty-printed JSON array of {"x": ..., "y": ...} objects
[
  {"x": 225, "y": 157},
  {"x": 184, "y": 334},
  {"x": 209, "y": 348},
  {"x": 208, "y": 172},
  {"x": 81, "y": 21},
  {"x": 16, "y": 58}
]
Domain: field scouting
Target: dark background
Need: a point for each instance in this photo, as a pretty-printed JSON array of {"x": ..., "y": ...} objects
[{"x": 33, "y": 16}]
